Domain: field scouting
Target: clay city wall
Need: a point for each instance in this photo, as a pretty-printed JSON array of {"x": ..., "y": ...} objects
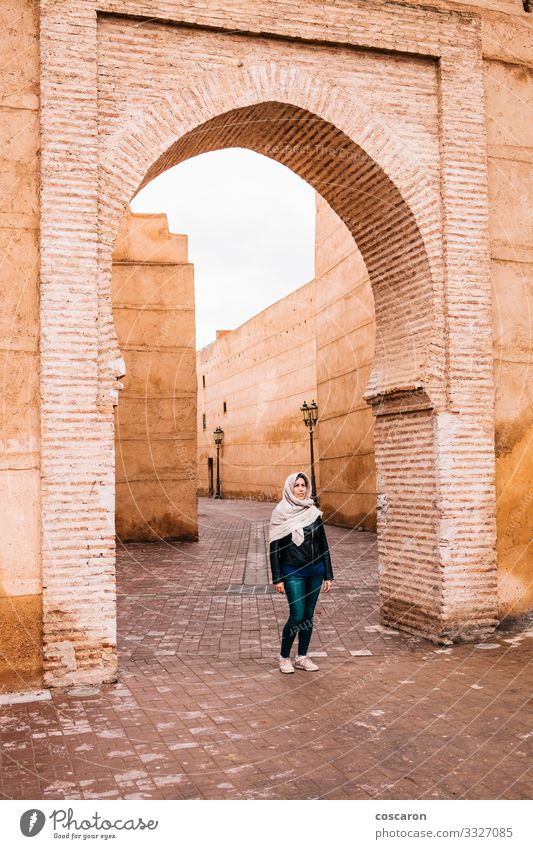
[
  {"x": 260, "y": 373},
  {"x": 508, "y": 65},
  {"x": 509, "y": 88},
  {"x": 20, "y": 539},
  {"x": 155, "y": 420},
  {"x": 345, "y": 329}
]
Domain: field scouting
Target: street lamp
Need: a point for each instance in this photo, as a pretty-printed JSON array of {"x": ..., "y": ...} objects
[
  {"x": 310, "y": 416},
  {"x": 219, "y": 436}
]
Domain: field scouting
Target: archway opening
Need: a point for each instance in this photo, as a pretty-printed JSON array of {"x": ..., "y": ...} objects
[
  {"x": 251, "y": 380},
  {"x": 310, "y": 334}
]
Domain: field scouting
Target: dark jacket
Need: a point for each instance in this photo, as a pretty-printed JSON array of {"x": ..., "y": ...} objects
[{"x": 313, "y": 549}]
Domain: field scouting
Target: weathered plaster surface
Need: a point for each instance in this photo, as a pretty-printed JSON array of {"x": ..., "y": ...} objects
[
  {"x": 155, "y": 420},
  {"x": 509, "y": 90},
  {"x": 345, "y": 328},
  {"x": 20, "y": 549}
]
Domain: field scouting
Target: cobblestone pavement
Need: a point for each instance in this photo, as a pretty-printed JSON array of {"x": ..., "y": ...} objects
[{"x": 201, "y": 711}]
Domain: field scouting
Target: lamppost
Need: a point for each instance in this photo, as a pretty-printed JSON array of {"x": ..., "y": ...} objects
[
  {"x": 219, "y": 436},
  {"x": 310, "y": 414}
]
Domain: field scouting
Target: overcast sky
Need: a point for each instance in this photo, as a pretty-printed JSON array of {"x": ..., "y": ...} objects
[{"x": 251, "y": 228}]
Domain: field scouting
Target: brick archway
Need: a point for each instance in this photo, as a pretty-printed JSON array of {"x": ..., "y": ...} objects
[
  {"x": 432, "y": 402},
  {"x": 346, "y": 154}
]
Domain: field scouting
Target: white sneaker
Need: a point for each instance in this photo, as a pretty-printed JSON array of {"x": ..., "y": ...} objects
[
  {"x": 304, "y": 662},
  {"x": 285, "y": 664}
]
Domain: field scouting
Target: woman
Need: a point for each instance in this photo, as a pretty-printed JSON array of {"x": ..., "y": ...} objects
[{"x": 300, "y": 563}]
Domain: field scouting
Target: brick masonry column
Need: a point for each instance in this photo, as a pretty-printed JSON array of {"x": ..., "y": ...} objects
[
  {"x": 435, "y": 570},
  {"x": 410, "y": 573},
  {"x": 435, "y": 462},
  {"x": 77, "y": 438},
  {"x": 465, "y": 432}
]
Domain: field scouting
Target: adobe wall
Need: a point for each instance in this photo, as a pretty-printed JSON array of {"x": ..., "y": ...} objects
[
  {"x": 345, "y": 327},
  {"x": 263, "y": 370},
  {"x": 509, "y": 89},
  {"x": 20, "y": 544},
  {"x": 155, "y": 420}
]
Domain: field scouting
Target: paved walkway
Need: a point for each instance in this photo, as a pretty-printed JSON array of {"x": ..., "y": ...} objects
[{"x": 201, "y": 711}]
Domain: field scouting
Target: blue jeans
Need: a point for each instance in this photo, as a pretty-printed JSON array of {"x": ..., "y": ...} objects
[{"x": 302, "y": 595}]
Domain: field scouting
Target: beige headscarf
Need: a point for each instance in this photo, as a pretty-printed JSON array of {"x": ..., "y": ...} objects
[{"x": 293, "y": 514}]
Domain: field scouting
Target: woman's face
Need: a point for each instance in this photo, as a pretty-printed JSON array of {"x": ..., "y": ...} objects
[{"x": 299, "y": 489}]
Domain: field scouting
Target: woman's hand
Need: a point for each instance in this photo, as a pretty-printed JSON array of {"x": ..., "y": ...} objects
[
  {"x": 327, "y": 586},
  {"x": 279, "y": 587}
]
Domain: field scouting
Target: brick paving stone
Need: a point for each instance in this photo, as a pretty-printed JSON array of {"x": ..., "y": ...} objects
[{"x": 201, "y": 711}]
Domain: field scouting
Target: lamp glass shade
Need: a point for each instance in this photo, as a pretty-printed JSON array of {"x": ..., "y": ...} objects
[
  {"x": 219, "y": 435},
  {"x": 305, "y": 412}
]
